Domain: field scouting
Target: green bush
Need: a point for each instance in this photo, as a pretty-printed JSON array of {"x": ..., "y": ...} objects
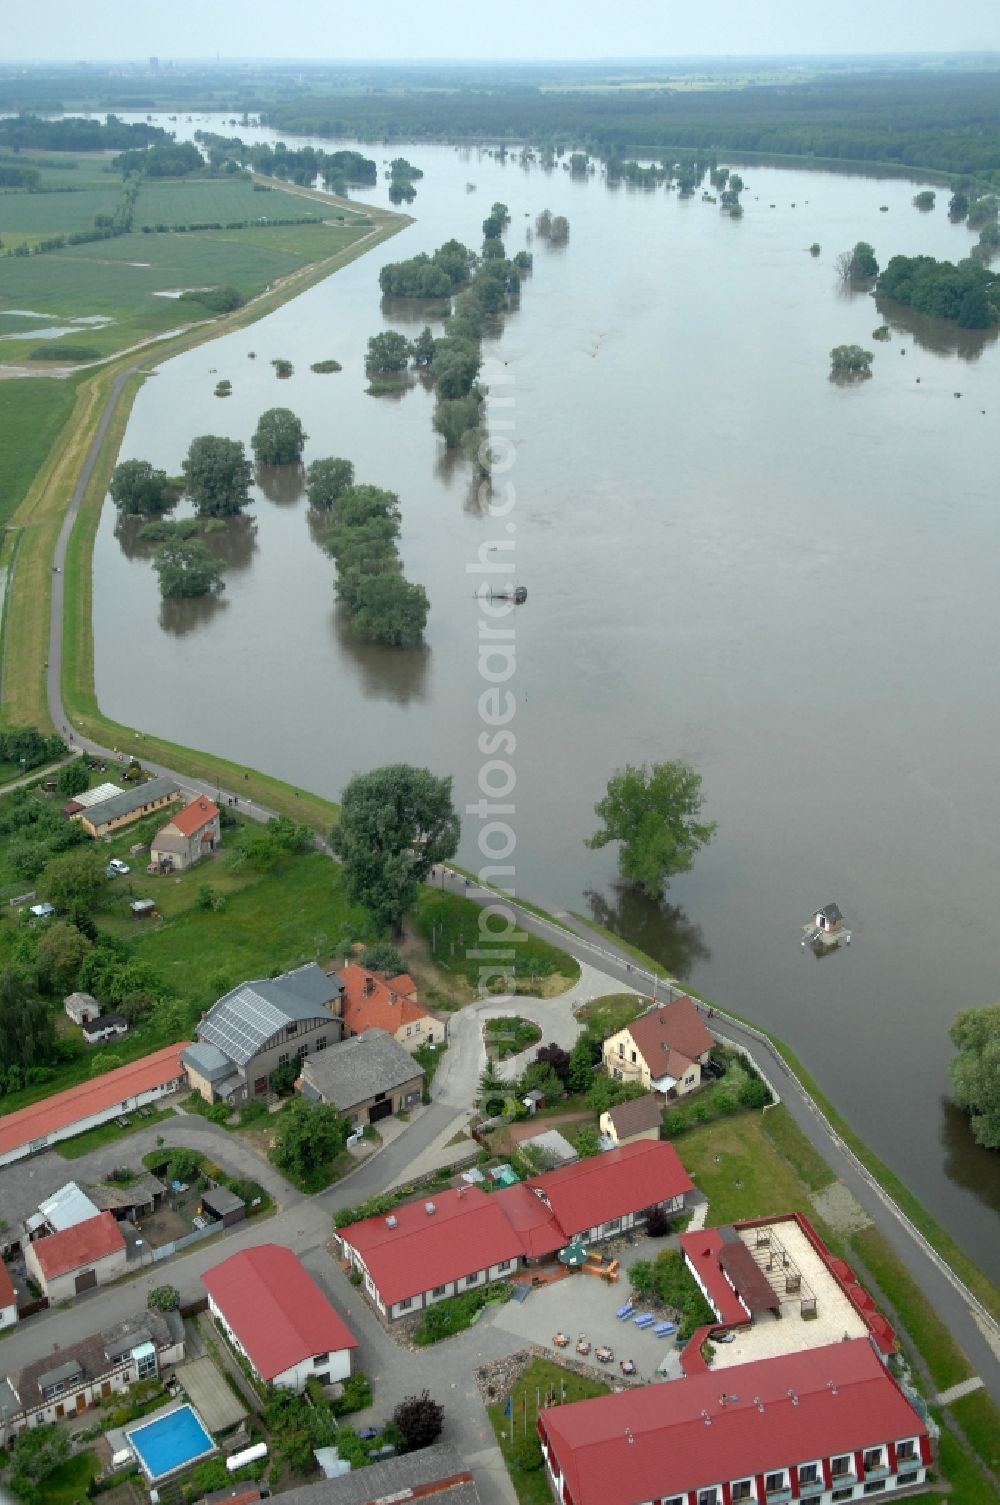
[
  {"x": 456, "y": 1313},
  {"x": 356, "y": 1396}
]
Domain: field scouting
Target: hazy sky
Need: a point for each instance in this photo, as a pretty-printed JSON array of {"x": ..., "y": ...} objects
[{"x": 66, "y": 30}]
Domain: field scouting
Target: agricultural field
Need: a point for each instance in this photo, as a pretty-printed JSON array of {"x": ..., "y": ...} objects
[
  {"x": 33, "y": 216},
  {"x": 36, "y": 409},
  {"x": 121, "y": 279},
  {"x": 209, "y": 200}
]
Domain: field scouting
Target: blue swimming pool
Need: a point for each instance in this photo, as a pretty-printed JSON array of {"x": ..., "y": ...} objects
[{"x": 170, "y": 1442}]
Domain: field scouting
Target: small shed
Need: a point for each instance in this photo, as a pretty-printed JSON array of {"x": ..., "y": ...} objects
[
  {"x": 224, "y": 1206},
  {"x": 81, "y": 1007},
  {"x": 533, "y": 1100},
  {"x": 829, "y": 918},
  {"x": 104, "y": 1027},
  {"x": 142, "y": 909}
]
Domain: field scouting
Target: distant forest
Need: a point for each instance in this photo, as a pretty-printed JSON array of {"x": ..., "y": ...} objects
[{"x": 945, "y": 119}]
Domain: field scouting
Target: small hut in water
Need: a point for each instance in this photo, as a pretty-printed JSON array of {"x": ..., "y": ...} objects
[{"x": 827, "y": 929}]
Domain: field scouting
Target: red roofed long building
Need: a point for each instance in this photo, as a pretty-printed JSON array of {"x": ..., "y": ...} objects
[
  {"x": 826, "y": 1425},
  {"x": 275, "y": 1314},
  {"x": 371, "y": 1002},
  {"x": 423, "y": 1252},
  {"x": 93, "y": 1102},
  {"x": 89, "y": 1254}
]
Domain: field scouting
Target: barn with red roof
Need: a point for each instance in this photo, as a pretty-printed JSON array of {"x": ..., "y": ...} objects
[
  {"x": 190, "y": 834},
  {"x": 275, "y": 1314},
  {"x": 371, "y": 1001},
  {"x": 88, "y": 1254}
]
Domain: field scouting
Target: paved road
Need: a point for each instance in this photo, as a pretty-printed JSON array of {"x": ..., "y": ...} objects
[{"x": 978, "y": 1337}]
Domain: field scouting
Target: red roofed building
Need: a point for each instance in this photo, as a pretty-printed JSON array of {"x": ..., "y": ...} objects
[
  {"x": 93, "y": 1102},
  {"x": 414, "y": 1256},
  {"x": 422, "y": 1252},
  {"x": 663, "y": 1050},
  {"x": 372, "y": 1002},
  {"x": 8, "y": 1298},
  {"x": 89, "y": 1254},
  {"x": 190, "y": 834},
  {"x": 275, "y": 1314},
  {"x": 829, "y": 1424}
]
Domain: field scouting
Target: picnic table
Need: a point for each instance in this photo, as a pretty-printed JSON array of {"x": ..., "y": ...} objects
[
  {"x": 627, "y": 1366},
  {"x": 604, "y": 1355},
  {"x": 583, "y": 1344},
  {"x": 560, "y": 1340}
]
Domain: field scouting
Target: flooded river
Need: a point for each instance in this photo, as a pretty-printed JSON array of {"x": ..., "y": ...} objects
[{"x": 729, "y": 560}]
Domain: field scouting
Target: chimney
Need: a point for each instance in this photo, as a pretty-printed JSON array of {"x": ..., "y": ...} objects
[
  {"x": 430, "y": 1209},
  {"x": 392, "y": 1221},
  {"x": 393, "y": 997}
]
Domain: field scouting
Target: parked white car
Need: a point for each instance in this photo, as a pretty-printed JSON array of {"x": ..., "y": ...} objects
[{"x": 116, "y": 868}]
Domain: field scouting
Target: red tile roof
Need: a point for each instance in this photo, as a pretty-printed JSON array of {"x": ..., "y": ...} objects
[
  {"x": 668, "y": 1439},
  {"x": 99, "y": 1094},
  {"x": 384, "y": 1007},
  {"x": 275, "y": 1308},
  {"x": 8, "y": 1296},
  {"x": 83, "y": 1244},
  {"x": 702, "y": 1250},
  {"x": 677, "y": 1026},
  {"x": 607, "y": 1186},
  {"x": 531, "y": 1220},
  {"x": 191, "y": 819},
  {"x": 466, "y": 1232}
]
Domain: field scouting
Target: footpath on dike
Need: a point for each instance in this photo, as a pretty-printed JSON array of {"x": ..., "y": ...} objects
[{"x": 971, "y": 1325}]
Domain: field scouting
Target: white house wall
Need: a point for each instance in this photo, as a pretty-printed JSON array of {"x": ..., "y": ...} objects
[
  {"x": 8, "y": 1315},
  {"x": 336, "y": 1364}
]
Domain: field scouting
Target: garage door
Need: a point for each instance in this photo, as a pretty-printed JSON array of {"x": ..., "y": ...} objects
[
  {"x": 379, "y": 1110},
  {"x": 86, "y": 1282}
]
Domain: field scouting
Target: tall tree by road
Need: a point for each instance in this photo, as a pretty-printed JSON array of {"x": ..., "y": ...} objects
[
  {"x": 975, "y": 1071},
  {"x": 395, "y": 824},
  {"x": 653, "y": 811}
]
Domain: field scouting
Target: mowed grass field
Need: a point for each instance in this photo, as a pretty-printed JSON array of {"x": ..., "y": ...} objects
[
  {"x": 35, "y": 409},
  {"x": 121, "y": 278}
]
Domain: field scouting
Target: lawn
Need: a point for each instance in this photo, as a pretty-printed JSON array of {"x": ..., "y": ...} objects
[
  {"x": 739, "y": 1169},
  {"x": 606, "y": 1016},
  {"x": 294, "y": 914},
  {"x": 510, "y": 1035},
  {"x": 109, "y": 1133},
  {"x": 67, "y": 1484},
  {"x": 543, "y": 1380},
  {"x": 452, "y": 927},
  {"x": 35, "y": 409}
]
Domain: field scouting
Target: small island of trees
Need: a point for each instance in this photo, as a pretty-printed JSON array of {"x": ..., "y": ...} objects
[
  {"x": 850, "y": 362},
  {"x": 966, "y": 294},
  {"x": 383, "y": 606}
]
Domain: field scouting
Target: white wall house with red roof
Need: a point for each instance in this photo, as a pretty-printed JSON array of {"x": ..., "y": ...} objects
[
  {"x": 825, "y": 1426},
  {"x": 276, "y": 1316},
  {"x": 422, "y": 1252},
  {"x": 191, "y": 834},
  {"x": 90, "y": 1103},
  {"x": 89, "y": 1254},
  {"x": 8, "y": 1298},
  {"x": 663, "y": 1050}
]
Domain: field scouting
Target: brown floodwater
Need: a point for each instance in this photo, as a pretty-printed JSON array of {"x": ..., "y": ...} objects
[{"x": 730, "y": 559}]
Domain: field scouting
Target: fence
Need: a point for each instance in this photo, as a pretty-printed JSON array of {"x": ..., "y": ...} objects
[{"x": 164, "y": 1251}]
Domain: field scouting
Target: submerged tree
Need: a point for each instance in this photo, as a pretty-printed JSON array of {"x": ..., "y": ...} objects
[
  {"x": 851, "y": 361},
  {"x": 137, "y": 489},
  {"x": 217, "y": 475},
  {"x": 387, "y": 352},
  {"x": 327, "y": 480},
  {"x": 975, "y": 1071},
  {"x": 279, "y": 438},
  {"x": 653, "y": 811},
  {"x": 186, "y": 568}
]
